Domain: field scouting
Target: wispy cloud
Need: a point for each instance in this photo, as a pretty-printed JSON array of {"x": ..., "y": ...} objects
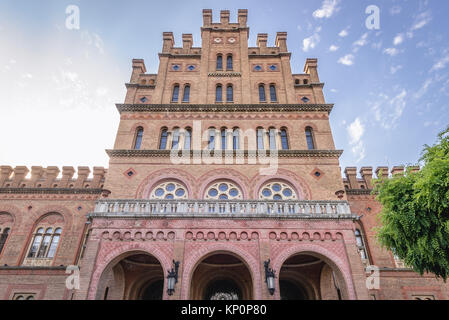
[
  {"x": 441, "y": 63},
  {"x": 333, "y": 48},
  {"x": 328, "y": 8},
  {"x": 310, "y": 42},
  {"x": 394, "y": 69},
  {"x": 395, "y": 10},
  {"x": 387, "y": 111},
  {"x": 398, "y": 39},
  {"x": 343, "y": 33},
  {"x": 347, "y": 60},
  {"x": 391, "y": 51},
  {"x": 355, "y": 132},
  {"x": 360, "y": 42},
  {"x": 421, "y": 20}
]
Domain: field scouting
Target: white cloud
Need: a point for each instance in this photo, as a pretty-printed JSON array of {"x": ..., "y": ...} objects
[
  {"x": 387, "y": 111},
  {"x": 355, "y": 131},
  {"x": 421, "y": 20},
  {"x": 360, "y": 42},
  {"x": 391, "y": 51},
  {"x": 398, "y": 39},
  {"x": 333, "y": 48},
  {"x": 423, "y": 90},
  {"x": 441, "y": 64},
  {"x": 394, "y": 69},
  {"x": 328, "y": 8},
  {"x": 343, "y": 33},
  {"x": 310, "y": 42},
  {"x": 347, "y": 60}
]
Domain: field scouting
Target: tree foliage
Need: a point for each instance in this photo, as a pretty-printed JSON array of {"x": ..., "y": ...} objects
[{"x": 415, "y": 212}]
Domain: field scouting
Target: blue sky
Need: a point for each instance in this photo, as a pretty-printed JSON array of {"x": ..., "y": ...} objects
[{"x": 390, "y": 86}]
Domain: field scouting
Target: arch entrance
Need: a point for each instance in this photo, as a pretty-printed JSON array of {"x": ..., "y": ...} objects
[
  {"x": 221, "y": 276},
  {"x": 132, "y": 276}
]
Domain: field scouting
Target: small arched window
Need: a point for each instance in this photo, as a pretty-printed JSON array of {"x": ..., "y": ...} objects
[
  {"x": 284, "y": 139},
  {"x": 164, "y": 136},
  {"x": 219, "y": 62},
  {"x": 229, "y": 62},
  {"x": 273, "y": 96},
  {"x": 138, "y": 139},
  {"x": 175, "y": 141},
  {"x": 3, "y": 237},
  {"x": 260, "y": 134},
  {"x": 309, "y": 138},
  {"x": 211, "y": 144},
  {"x": 236, "y": 139},
  {"x": 45, "y": 243},
  {"x": 272, "y": 140},
  {"x": 229, "y": 93},
  {"x": 175, "y": 94},
  {"x": 262, "y": 97},
  {"x": 188, "y": 139},
  {"x": 219, "y": 93},
  {"x": 360, "y": 244},
  {"x": 223, "y": 138},
  {"x": 186, "y": 96}
]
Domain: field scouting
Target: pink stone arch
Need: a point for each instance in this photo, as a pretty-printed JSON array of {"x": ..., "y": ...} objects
[
  {"x": 153, "y": 179},
  {"x": 192, "y": 261},
  {"x": 301, "y": 187},
  {"x": 335, "y": 262},
  {"x": 114, "y": 256},
  {"x": 223, "y": 174}
]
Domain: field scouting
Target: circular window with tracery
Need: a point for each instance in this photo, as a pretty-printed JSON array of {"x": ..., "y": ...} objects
[
  {"x": 224, "y": 190},
  {"x": 277, "y": 190},
  {"x": 169, "y": 190}
]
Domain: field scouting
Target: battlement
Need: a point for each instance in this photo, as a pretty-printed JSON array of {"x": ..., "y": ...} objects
[
  {"x": 352, "y": 182},
  {"x": 48, "y": 177}
]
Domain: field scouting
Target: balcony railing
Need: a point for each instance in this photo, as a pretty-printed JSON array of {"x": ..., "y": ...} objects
[{"x": 218, "y": 208}]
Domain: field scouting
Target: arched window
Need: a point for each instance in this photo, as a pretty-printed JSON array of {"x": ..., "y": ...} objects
[
  {"x": 273, "y": 96},
  {"x": 229, "y": 93},
  {"x": 284, "y": 139},
  {"x": 170, "y": 190},
  {"x": 138, "y": 139},
  {"x": 223, "y": 190},
  {"x": 219, "y": 62},
  {"x": 164, "y": 136},
  {"x": 186, "y": 96},
  {"x": 360, "y": 244},
  {"x": 309, "y": 138},
  {"x": 277, "y": 190},
  {"x": 262, "y": 97},
  {"x": 272, "y": 135},
  {"x": 3, "y": 237},
  {"x": 175, "y": 141},
  {"x": 223, "y": 138},
  {"x": 45, "y": 243},
  {"x": 175, "y": 95},
  {"x": 260, "y": 144},
  {"x": 219, "y": 93},
  {"x": 188, "y": 139},
  {"x": 229, "y": 62},
  {"x": 211, "y": 144},
  {"x": 236, "y": 139}
]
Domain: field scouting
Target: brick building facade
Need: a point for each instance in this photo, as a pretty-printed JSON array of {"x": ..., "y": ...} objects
[{"x": 224, "y": 161}]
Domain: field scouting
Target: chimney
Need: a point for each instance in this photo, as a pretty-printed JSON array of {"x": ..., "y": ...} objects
[
  {"x": 243, "y": 17},
  {"x": 207, "y": 17},
  {"x": 83, "y": 173},
  {"x": 281, "y": 41},
  {"x": 138, "y": 68},
  {"x": 36, "y": 174},
  {"x": 351, "y": 175},
  {"x": 98, "y": 176},
  {"x": 19, "y": 174},
  {"x": 262, "y": 39},
  {"x": 311, "y": 67},
  {"x": 187, "y": 41},
  {"x": 224, "y": 17},
  {"x": 50, "y": 175},
  {"x": 168, "y": 41},
  {"x": 67, "y": 175},
  {"x": 5, "y": 173},
  {"x": 384, "y": 171},
  {"x": 367, "y": 175}
]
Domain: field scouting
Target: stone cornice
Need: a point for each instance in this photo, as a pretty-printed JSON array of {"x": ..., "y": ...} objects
[
  {"x": 310, "y": 85},
  {"x": 224, "y": 74},
  {"x": 137, "y": 85},
  {"x": 357, "y": 192},
  {"x": 224, "y": 107},
  {"x": 180, "y": 55},
  {"x": 269, "y": 55},
  {"x": 49, "y": 191},
  {"x": 243, "y": 153}
]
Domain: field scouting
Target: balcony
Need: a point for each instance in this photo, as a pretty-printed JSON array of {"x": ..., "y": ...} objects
[{"x": 222, "y": 209}]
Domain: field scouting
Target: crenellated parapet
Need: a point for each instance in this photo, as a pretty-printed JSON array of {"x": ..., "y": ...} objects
[
  {"x": 21, "y": 177},
  {"x": 352, "y": 181}
]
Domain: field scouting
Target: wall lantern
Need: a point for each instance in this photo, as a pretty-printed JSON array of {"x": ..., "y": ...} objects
[
  {"x": 269, "y": 276},
  {"x": 172, "y": 278}
]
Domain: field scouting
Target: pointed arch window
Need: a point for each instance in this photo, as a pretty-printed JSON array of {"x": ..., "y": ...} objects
[
  {"x": 186, "y": 96},
  {"x": 284, "y": 139},
  {"x": 211, "y": 144},
  {"x": 229, "y": 62},
  {"x": 236, "y": 139},
  {"x": 223, "y": 139},
  {"x": 188, "y": 139},
  {"x": 138, "y": 139},
  {"x": 175, "y": 142},
  {"x": 219, "y": 93},
  {"x": 175, "y": 94},
  {"x": 273, "y": 96},
  {"x": 164, "y": 137},
  {"x": 229, "y": 93},
  {"x": 309, "y": 138},
  {"x": 262, "y": 97},
  {"x": 260, "y": 144},
  {"x": 219, "y": 62},
  {"x": 3, "y": 237}
]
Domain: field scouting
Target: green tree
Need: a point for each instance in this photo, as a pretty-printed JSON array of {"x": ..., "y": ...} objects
[{"x": 415, "y": 212}]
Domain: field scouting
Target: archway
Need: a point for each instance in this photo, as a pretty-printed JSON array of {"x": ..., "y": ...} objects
[
  {"x": 221, "y": 276},
  {"x": 309, "y": 277},
  {"x": 132, "y": 276}
]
